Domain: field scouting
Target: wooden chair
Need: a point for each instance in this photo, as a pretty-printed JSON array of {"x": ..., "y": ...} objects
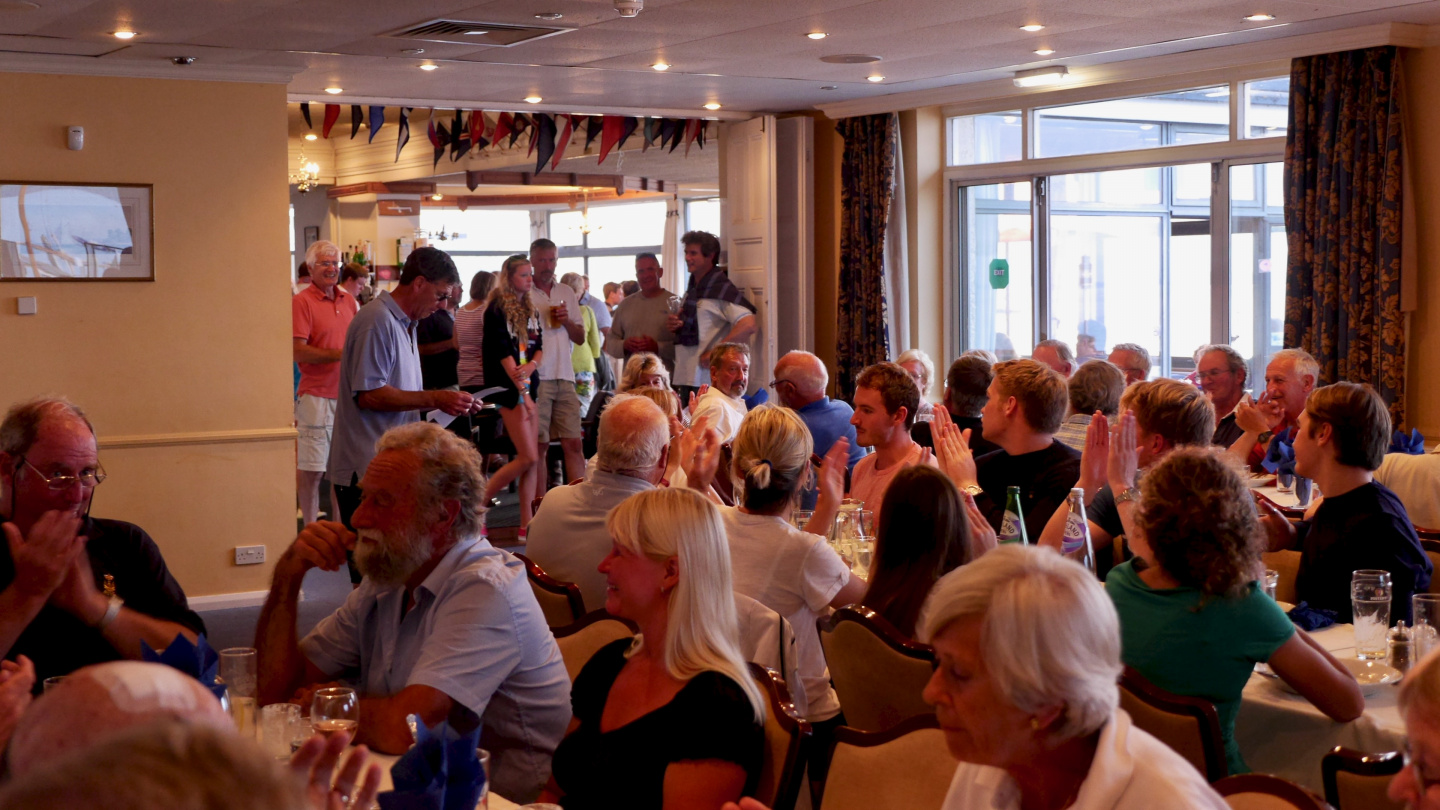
[
  {"x": 903, "y": 768},
  {"x": 722, "y": 484},
  {"x": 1355, "y": 780},
  {"x": 1287, "y": 563},
  {"x": 878, "y": 673},
  {"x": 581, "y": 640},
  {"x": 560, "y": 601},
  {"x": 1431, "y": 545},
  {"x": 787, "y": 736},
  {"x": 1256, "y": 791},
  {"x": 1189, "y": 725}
]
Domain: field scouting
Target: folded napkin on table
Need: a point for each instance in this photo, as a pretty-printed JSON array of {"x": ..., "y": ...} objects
[
  {"x": 1414, "y": 444},
  {"x": 1280, "y": 456},
  {"x": 440, "y": 772},
  {"x": 197, "y": 660},
  {"x": 1308, "y": 619}
]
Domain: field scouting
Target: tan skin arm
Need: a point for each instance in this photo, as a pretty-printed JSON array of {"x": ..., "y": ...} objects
[
  {"x": 852, "y": 593},
  {"x": 305, "y": 353},
  {"x": 78, "y": 596},
  {"x": 382, "y": 719},
  {"x": 1318, "y": 677}
]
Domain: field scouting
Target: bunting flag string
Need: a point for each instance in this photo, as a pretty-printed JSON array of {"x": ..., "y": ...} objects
[
  {"x": 404, "y": 136},
  {"x": 542, "y": 140},
  {"x": 593, "y": 125},
  {"x": 377, "y": 120},
  {"x": 477, "y": 130},
  {"x": 356, "y": 116},
  {"x": 652, "y": 130},
  {"x": 692, "y": 131},
  {"x": 459, "y": 137},
  {"x": 521, "y": 123},
  {"x": 504, "y": 125},
  {"x": 562, "y": 141},
  {"x": 439, "y": 138},
  {"x": 332, "y": 114},
  {"x": 305, "y": 111}
]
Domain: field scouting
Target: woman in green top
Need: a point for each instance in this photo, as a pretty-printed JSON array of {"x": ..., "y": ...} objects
[
  {"x": 583, "y": 356},
  {"x": 1193, "y": 619}
]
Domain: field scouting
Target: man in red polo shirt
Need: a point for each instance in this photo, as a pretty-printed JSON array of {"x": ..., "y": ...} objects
[{"x": 320, "y": 313}]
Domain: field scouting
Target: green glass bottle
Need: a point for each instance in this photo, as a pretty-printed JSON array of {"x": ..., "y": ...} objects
[{"x": 1012, "y": 526}]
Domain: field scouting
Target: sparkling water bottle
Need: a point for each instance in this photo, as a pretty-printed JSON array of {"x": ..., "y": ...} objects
[
  {"x": 1012, "y": 526},
  {"x": 1076, "y": 543}
]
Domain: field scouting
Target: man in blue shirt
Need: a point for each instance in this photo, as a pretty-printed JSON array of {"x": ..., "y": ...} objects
[{"x": 800, "y": 381}]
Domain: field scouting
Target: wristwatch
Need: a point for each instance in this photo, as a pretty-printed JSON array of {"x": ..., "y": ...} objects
[
  {"x": 110, "y": 613},
  {"x": 1130, "y": 494},
  {"x": 975, "y": 490},
  {"x": 1264, "y": 438}
]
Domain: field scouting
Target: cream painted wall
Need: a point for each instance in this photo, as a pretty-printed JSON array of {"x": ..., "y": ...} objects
[
  {"x": 829, "y": 147},
  {"x": 922, "y": 148},
  {"x": 187, "y": 378},
  {"x": 1422, "y": 398}
]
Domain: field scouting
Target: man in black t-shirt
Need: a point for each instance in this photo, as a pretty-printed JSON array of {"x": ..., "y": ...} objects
[
  {"x": 1165, "y": 414},
  {"x": 1341, "y": 438}
]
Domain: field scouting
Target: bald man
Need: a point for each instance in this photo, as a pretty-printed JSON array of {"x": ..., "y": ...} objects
[{"x": 800, "y": 382}]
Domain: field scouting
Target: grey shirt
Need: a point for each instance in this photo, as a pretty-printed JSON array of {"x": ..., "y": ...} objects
[
  {"x": 568, "y": 538},
  {"x": 637, "y": 316},
  {"x": 380, "y": 350},
  {"x": 475, "y": 633}
]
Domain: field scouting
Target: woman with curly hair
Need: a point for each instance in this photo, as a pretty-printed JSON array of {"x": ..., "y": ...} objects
[
  {"x": 512, "y": 348},
  {"x": 920, "y": 536},
  {"x": 1194, "y": 621}
]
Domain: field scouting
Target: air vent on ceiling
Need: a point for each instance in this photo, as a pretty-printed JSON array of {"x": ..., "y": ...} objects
[{"x": 464, "y": 32}]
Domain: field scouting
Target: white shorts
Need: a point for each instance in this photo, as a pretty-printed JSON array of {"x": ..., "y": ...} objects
[{"x": 315, "y": 421}]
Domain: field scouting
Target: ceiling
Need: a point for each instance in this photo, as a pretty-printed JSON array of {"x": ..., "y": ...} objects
[{"x": 747, "y": 55}]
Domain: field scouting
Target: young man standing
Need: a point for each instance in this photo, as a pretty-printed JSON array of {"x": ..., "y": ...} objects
[{"x": 885, "y": 401}]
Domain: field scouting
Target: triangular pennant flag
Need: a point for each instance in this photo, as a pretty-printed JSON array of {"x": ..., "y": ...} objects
[
  {"x": 356, "y": 116},
  {"x": 377, "y": 120},
  {"x": 700, "y": 139},
  {"x": 692, "y": 131},
  {"x": 439, "y": 137},
  {"x": 459, "y": 137},
  {"x": 477, "y": 130},
  {"x": 504, "y": 125},
  {"x": 332, "y": 114},
  {"x": 667, "y": 131},
  {"x": 534, "y": 123},
  {"x": 627, "y": 128},
  {"x": 543, "y": 140},
  {"x": 305, "y": 111},
  {"x": 652, "y": 129},
  {"x": 610, "y": 134},
  {"x": 593, "y": 125},
  {"x": 563, "y": 141},
  {"x": 679, "y": 134},
  {"x": 404, "y": 136}
]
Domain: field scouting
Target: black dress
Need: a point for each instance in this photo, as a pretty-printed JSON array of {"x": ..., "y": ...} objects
[
  {"x": 498, "y": 343},
  {"x": 710, "y": 718}
]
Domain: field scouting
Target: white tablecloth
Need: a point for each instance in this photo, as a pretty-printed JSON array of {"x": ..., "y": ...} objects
[
  {"x": 1281, "y": 733},
  {"x": 497, "y": 802}
]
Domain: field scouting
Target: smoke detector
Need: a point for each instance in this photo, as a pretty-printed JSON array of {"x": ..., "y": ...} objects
[{"x": 629, "y": 8}]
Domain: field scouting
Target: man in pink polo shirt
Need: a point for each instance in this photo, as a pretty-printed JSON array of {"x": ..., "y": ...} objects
[{"x": 320, "y": 313}]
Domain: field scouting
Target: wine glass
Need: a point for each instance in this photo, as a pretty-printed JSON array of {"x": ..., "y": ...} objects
[{"x": 335, "y": 709}]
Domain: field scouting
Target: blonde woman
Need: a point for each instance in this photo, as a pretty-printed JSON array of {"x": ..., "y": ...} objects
[
  {"x": 641, "y": 370},
  {"x": 922, "y": 370},
  {"x": 512, "y": 348},
  {"x": 670, "y": 719}
]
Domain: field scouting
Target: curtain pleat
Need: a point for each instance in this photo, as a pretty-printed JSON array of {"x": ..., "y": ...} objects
[{"x": 867, "y": 177}]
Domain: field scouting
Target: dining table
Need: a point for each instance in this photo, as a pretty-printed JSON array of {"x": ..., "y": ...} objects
[
  {"x": 1281, "y": 733},
  {"x": 492, "y": 802}
]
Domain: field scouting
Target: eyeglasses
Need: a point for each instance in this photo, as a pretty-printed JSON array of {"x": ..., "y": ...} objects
[
  {"x": 1210, "y": 375},
  {"x": 88, "y": 478},
  {"x": 777, "y": 383},
  {"x": 327, "y": 264}
]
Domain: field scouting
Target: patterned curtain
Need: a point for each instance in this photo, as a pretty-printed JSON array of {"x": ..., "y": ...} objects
[
  {"x": 867, "y": 177},
  {"x": 1342, "y": 215}
]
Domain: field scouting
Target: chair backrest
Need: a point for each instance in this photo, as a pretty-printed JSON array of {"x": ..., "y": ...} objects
[
  {"x": 1257, "y": 791},
  {"x": 1432, "y": 550},
  {"x": 1287, "y": 564},
  {"x": 905, "y": 767},
  {"x": 581, "y": 640},
  {"x": 560, "y": 601},
  {"x": 878, "y": 673},
  {"x": 1355, "y": 780},
  {"x": 767, "y": 639},
  {"x": 1189, "y": 725},
  {"x": 722, "y": 484},
  {"x": 787, "y": 735}
]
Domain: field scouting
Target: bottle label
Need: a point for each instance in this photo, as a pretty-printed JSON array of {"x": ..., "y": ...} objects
[
  {"x": 1074, "y": 534},
  {"x": 1009, "y": 528}
]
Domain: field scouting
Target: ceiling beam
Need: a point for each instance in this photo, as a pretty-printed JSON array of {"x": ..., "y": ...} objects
[
  {"x": 620, "y": 183},
  {"x": 397, "y": 187},
  {"x": 554, "y": 198}
]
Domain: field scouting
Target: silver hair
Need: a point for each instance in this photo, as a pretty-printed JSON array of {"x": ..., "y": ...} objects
[
  {"x": 634, "y": 432},
  {"x": 1062, "y": 350},
  {"x": 927, "y": 367},
  {"x": 21, "y": 428},
  {"x": 574, "y": 281},
  {"x": 984, "y": 354},
  {"x": 807, "y": 372},
  {"x": 1233, "y": 360},
  {"x": 1049, "y": 634},
  {"x": 450, "y": 469},
  {"x": 315, "y": 250},
  {"x": 1305, "y": 365},
  {"x": 1135, "y": 349}
]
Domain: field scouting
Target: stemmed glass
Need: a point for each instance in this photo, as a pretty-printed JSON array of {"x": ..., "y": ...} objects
[{"x": 335, "y": 709}]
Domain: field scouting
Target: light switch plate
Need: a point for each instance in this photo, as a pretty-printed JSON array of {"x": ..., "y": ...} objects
[
  {"x": 249, "y": 555},
  {"x": 25, "y": 305}
]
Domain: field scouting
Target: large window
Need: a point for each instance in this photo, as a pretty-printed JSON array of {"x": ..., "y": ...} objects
[
  {"x": 601, "y": 241},
  {"x": 478, "y": 238}
]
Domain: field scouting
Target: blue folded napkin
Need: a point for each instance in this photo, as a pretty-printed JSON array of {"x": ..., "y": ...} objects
[
  {"x": 440, "y": 772},
  {"x": 755, "y": 400},
  {"x": 1414, "y": 444},
  {"x": 197, "y": 660},
  {"x": 1280, "y": 456},
  {"x": 1310, "y": 619}
]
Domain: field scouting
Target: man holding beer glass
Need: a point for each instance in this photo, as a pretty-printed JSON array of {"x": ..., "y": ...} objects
[{"x": 556, "y": 403}]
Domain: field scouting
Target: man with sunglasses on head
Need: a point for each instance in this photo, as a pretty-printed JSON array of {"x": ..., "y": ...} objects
[{"x": 74, "y": 590}]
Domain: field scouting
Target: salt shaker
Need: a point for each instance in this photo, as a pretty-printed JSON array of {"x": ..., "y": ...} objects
[{"x": 1400, "y": 647}]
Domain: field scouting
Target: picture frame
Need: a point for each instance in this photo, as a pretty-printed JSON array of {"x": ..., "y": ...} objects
[
  {"x": 312, "y": 235},
  {"x": 52, "y": 231}
]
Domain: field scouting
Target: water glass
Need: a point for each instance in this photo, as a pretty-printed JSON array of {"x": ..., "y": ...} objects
[
  {"x": 282, "y": 729},
  {"x": 801, "y": 517},
  {"x": 335, "y": 709},
  {"x": 485, "y": 767},
  {"x": 1425, "y": 610},
  {"x": 1272, "y": 582},
  {"x": 674, "y": 304},
  {"x": 1302, "y": 491},
  {"x": 1370, "y": 602},
  {"x": 1285, "y": 482},
  {"x": 238, "y": 672}
]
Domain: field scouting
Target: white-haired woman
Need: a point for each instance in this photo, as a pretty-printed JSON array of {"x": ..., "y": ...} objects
[
  {"x": 671, "y": 719},
  {"x": 921, "y": 369},
  {"x": 1418, "y": 783}
]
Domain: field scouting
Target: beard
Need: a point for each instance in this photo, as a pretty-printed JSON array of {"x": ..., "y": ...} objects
[{"x": 391, "y": 559}]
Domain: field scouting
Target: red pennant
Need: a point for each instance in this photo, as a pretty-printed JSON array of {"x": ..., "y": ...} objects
[
  {"x": 609, "y": 134},
  {"x": 563, "y": 141},
  {"x": 477, "y": 129},
  {"x": 692, "y": 131},
  {"x": 332, "y": 114},
  {"x": 504, "y": 125}
]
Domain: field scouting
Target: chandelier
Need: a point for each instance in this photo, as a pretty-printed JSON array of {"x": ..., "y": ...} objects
[{"x": 307, "y": 176}]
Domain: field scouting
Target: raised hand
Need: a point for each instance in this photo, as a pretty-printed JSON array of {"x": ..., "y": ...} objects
[
  {"x": 322, "y": 544},
  {"x": 1251, "y": 417},
  {"x": 16, "y": 680},
  {"x": 700, "y": 454},
  {"x": 357, "y": 784},
  {"x": 1124, "y": 457},
  {"x": 952, "y": 450},
  {"x": 43, "y": 559},
  {"x": 830, "y": 482},
  {"x": 77, "y": 593},
  {"x": 981, "y": 535},
  {"x": 1095, "y": 457}
]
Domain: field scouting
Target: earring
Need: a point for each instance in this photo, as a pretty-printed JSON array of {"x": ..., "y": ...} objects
[{"x": 1034, "y": 724}]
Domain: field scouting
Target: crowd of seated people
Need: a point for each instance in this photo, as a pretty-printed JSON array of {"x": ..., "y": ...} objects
[{"x": 683, "y": 521}]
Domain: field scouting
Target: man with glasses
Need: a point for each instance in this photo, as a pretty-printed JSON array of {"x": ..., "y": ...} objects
[
  {"x": 1220, "y": 372},
  {"x": 381, "y": 385},
  {"x": 319, "y": 316},
  {"x": 74, "y": 590},
  {"x": 800, "y": 381}
]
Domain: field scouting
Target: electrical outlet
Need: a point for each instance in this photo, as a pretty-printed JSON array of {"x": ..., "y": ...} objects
[{"x": 249, "y": 555}]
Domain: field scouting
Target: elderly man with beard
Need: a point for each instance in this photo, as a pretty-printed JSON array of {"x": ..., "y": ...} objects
[
  {"x": 724, "y": 401},
  {"x": 443, "y": 625}
]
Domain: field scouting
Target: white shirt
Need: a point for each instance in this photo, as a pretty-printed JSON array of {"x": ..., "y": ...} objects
[
  {"x": 1416, "y": 481},
  {"x": 714, "y": 318},
  {"x": 725, "y": 412},
  {"x": 796, "y": 575},
  {"x": 1131, "y": 771},
  {"x": 555, "y": 359}
]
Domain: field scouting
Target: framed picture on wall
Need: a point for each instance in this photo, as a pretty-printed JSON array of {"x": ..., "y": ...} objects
[
  {"x": 312, "y": 235},
  {"x": 76, "y": 232}
]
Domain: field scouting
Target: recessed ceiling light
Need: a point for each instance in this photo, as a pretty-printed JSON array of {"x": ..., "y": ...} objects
[
  {"x": 124, "y": 33},
  {"x": 334, "y": 91},
  {"x": 533, "y": 99},
  {"x": 1032, "y": 27},
  {"x": 474, "y": 33},
  {"x": 1044, "y": 51},
  {"x": 413, "y": 51},
  {"x": 817, "y": 35},
  {"x": 661, "y": 66},
  {"x": 429, "y": 67},
  {"x": 310, "y": 136},
  {"x": 849, "y": 59},
  {"x": 549, "y": 15},
  {"x": 712, "y": 106},
  {"x": 1260, "y": 18},
  {"x": 830, "y": 87},
  {"x": 1041, "y": 76},
  {"x": 437, "y": 196},
  {"x": 876, "y": 79}
]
